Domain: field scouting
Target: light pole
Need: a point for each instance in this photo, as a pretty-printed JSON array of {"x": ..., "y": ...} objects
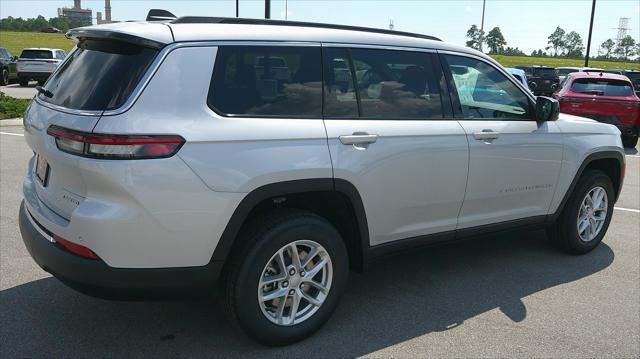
[
  {"x": 267, "y": 9},
  {"x": 484, "y": 2},
  {"x": 586, "y": 57},
  {"x": 237, "y": 8}
]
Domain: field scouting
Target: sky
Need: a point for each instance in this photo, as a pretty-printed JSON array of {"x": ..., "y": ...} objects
[{"x": 524, "y": 23}]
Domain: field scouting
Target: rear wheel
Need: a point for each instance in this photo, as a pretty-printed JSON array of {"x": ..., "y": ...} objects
[
  {"x": 23, "y": 82},
  {"x": 4, "y": 79},
  {"x": 586, "y": 215},
  {"x": 286, "y": 281},
  {"x": 630, "y": 141}
]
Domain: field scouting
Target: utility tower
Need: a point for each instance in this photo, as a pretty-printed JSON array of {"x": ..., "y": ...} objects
[
  {"x": 391, "y": 26},
  {"x": 623, "y": 28}
]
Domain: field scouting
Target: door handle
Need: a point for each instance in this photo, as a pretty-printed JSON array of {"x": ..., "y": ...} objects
[
  {"x": 486, "y": 135},
  {"x": 358, "y": 138}
]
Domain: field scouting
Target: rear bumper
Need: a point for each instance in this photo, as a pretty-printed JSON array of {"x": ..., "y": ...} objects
[
  {"x": 96, "y": 278},
  {"x": 34, "y": 75}
]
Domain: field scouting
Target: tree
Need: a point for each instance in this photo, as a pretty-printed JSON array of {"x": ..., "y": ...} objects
[
  {"x": 495, "y": 41},
  {"x": 475, "y": 37},
  {"x": 513, "y": 51},
  {"x": 556, "y": 40},
  {"x": 626, "y": 47},
  {"x": 573, "y": 45},
  {"x": 607, "y": 47}
]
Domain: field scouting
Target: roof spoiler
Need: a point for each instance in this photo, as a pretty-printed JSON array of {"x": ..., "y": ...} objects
[{"x": 160, "y": 15}]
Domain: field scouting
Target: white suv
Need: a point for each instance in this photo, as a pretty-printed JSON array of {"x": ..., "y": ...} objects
[
  {"x": 174, "y": 156},
  {"x": 38, "y": 64}
]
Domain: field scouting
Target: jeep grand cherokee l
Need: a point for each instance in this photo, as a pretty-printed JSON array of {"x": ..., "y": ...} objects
[{"x": 264, "y": 159}]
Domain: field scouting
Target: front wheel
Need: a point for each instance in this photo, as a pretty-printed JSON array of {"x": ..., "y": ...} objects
[
  {"x": 23, "y": 83},
  {"x": 286, "y": 281},
  {"x": 586, "y": 215},
  {"x": 629, "y": 141}
]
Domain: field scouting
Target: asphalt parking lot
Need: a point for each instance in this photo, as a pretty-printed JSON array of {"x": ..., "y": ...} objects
[
  {"x": 499, "y": 296},
  {"x": 15, "y": 90}
]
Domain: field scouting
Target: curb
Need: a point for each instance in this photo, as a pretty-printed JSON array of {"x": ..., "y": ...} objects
[{"x": 11, "y": 122}]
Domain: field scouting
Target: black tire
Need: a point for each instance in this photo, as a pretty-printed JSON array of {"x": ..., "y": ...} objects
[
  {"x": 4, "y": 79},
  {"x": 261, "y": 240},
  {"x": 23, "y": 83},
  {"x": 564, "y": 232},
  {"x": 41, "y": 82},
  {"x": 629, "y": 141}
]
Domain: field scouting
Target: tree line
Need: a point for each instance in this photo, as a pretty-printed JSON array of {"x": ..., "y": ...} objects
[
  {"x": 560, "y": 44},
  {"x": 38, "y": 23}
]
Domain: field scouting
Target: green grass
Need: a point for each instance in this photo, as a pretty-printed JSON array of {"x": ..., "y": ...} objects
[
  {"x": 510, "y": 61},
  {"x": 16, "y": 41},
  {"x": 12, "y": 107}
]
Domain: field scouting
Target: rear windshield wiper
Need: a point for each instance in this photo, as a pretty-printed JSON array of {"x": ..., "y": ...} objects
[
  {"x": 593, "y": 92},
  {"x": 43, "y": 91}
]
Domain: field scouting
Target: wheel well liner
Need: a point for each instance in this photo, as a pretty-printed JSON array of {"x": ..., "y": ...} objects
[{"x": 335, "y": 199}]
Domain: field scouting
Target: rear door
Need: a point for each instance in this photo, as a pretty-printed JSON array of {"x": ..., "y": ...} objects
[
  {"x": 392, "y": 135},
  {"x": 514, "y": 162}
]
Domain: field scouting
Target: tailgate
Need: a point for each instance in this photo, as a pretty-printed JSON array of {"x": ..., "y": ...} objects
[
  {"x": 36, "y": 65},
  {"x": 64, "y": 188}
]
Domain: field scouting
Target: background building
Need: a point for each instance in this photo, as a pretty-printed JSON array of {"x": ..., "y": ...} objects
[
  {"x": 77, "y": 13},
  {"x": 107, "y": 13}
]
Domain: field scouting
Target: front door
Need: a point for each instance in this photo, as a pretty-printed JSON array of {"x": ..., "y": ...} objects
[{"x": 514, "y": 162}]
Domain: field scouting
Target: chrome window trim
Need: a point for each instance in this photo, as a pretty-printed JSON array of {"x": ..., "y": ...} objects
[{"x": 498, "y": 68}]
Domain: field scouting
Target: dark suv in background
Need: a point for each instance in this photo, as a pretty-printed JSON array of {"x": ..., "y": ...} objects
[
  {"x": 543, "y": 80},
  {"x": 8, "y": 66}
]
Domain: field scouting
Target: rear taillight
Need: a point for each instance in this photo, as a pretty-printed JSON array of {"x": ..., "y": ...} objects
[
  {"x": 76, "y": 249},
  {"x": 115, "y": 147}
]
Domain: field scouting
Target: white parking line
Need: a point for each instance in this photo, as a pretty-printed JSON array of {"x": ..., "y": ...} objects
[
  {"x": 627, "y": 209},
  {"x": 11, "y": 134}
]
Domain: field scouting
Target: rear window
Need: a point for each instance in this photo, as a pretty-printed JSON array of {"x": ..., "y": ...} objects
[
  {"x": 36, "y": 54},
  {"x": 100, "y": 75},
  {"x": 546, "y": 72},
  {"x": 268, "y": 81},
  {"x": 602, "y": 87}
]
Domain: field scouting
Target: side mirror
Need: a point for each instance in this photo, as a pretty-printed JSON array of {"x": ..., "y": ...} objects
[{"x": 547, "y": 109}]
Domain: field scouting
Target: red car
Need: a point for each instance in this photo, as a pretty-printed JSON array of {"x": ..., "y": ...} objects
[{"x": 604, "y": 97}]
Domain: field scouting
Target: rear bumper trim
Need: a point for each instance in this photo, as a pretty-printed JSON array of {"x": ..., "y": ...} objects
[{"x": 96, "y": 278}]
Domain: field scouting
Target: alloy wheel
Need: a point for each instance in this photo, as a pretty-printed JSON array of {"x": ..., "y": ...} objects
[{"x": 592, "y": 214}]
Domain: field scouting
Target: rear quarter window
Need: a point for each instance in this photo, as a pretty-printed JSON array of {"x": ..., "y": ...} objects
[
  {"x": 99, "y": 75},
  {"x": 268, "y": 81},
  {"x": 36, "y": 54}
]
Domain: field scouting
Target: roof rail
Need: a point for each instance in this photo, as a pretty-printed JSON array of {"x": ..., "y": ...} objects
[{"x": 245, "y": 21}]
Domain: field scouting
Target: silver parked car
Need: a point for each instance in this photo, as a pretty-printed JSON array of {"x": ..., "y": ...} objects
[
  {"x": 38, "y": 64},
  {"x": 264, "y": 159}
]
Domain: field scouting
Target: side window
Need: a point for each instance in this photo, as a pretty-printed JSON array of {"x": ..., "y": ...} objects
[
  {"x": 340, "y": 99},
  {"x": 268, "y": 81},
  {"x": 3, "y": 54},
  {"x": 485, "y": 93},
  {"x": 396, "y": 84}
]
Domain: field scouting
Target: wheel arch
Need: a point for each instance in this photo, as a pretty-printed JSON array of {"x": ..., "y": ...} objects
[
  {"x": 610, "y": 162},
  {"x": 336, "y": 200}
]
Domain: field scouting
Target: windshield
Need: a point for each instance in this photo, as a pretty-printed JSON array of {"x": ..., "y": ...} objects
[
  {"x": 564, "y": 72},
  {"x": 36, "y": 54},
  {"x": 99, "y": 75},
  {"x": 602, "y": 87}
]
